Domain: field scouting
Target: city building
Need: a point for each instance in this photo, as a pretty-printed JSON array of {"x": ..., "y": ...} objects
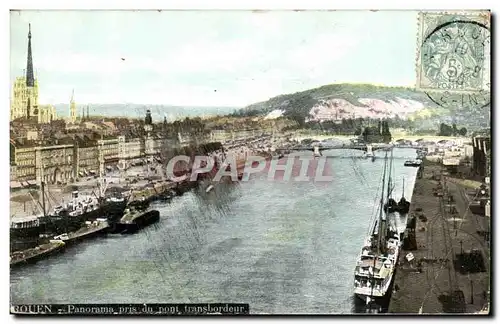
[
  {"x": 108, "y": 151},
  {"x": 481, "y": 156},
  {"x": 24, "y": 98},
  {"x": 152, "y": 143},
  {"x": 219, "y": 135},
  {"x": 86, "y": 153},
  {"x": 23, "y": 158},
  {"x": 55, "y": 163},
  {"x": 129, "y": 150}
]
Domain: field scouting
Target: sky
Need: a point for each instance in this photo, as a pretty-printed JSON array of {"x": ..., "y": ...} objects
[{"x": 209, "y": 58}]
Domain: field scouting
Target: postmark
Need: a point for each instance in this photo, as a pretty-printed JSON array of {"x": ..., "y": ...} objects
[{"x": 453, "y": 53}]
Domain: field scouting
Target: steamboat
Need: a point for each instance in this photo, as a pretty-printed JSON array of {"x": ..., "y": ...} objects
[{"x": 376, "y": 265}]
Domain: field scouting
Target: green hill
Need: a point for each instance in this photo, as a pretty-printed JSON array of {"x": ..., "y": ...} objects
[{"x": 299, "y": 104}]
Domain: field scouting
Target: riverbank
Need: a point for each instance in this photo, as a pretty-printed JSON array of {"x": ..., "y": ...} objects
[{"x": 437, "y": 279}]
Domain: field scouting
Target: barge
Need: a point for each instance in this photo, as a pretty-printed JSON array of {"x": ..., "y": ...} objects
[{"x": 35, "y": 254}]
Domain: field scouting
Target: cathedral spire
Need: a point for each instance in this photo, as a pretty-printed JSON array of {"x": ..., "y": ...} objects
[{"x": 30, "y": 78}]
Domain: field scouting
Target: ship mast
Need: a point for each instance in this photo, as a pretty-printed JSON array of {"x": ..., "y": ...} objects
[
  {"x": 102, "y": 183},
  {"x": 381, "y": 208},
  {"x": 403, "y": 193},
  {"x": 43, "y": 198},
  {"x": 390, "y": 187}
]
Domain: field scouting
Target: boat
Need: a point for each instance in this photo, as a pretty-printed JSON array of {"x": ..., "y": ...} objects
[
  {"x": 391, "y": 206},
  {"x": 24, "y": 232},
  {"x": 412, "y": 163},
  {"x": 113, "y": 207},
  {"x": 403, "y": 204},
  {"x": 134, "y": 219},
  {"x": 376, "y": 264},
  {"x": 91, "y": 229},
  {"x": 35, "y": 254}
]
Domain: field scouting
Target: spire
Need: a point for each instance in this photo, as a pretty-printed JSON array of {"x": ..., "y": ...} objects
[
  {"x": 30, "y": 79},
  {"x": 72, "y": 107}
]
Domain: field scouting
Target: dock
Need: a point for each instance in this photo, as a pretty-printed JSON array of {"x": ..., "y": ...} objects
[{"x": 435, "y": 275}]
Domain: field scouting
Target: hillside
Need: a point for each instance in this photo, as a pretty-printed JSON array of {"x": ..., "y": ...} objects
[{"x": 338, "y": 101}]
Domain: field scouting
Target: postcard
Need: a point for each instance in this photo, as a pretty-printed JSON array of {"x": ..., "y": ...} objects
[{"x": 280, "y": 162}]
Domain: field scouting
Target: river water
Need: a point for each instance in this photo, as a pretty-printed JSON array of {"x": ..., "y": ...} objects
[{"x": 283, "y": 247}]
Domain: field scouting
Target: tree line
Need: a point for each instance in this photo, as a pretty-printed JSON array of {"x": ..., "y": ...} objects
[{"x": 447, "y": 130}]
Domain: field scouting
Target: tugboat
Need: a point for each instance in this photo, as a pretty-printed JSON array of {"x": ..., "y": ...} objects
[
  {"x": 403, "y": 204},
  {"x": 133, "y": 220}
]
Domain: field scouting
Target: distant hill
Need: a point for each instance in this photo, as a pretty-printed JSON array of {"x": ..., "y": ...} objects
[
  {"x": 338, "y": 101},
  {"x": 138, "y": 111}
]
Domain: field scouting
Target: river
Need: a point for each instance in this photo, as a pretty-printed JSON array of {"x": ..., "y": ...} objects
[{"x": 282, "y": 247}]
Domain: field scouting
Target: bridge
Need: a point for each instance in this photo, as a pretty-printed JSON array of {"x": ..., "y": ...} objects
[{"x": 361, "y": 147}]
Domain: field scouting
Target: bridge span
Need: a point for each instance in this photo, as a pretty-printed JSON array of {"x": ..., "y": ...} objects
[{"x": 361, "y": 147}]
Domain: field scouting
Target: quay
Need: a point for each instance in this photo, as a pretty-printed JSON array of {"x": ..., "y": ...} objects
[{"x": 444, "y": 266}]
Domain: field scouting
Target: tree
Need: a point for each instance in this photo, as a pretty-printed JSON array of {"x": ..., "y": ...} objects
[
  {"x": 445, "y": 130},
  {"x": 462, "y": 131}
]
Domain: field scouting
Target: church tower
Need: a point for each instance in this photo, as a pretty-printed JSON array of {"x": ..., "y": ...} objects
[
  {"x": 148, "y": 122},
  {"x": 24, "y": 98},
  {"x": 72, "y": 108}
]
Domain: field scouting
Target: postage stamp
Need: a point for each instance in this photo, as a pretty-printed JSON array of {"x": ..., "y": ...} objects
[{"x": 453, "y": 52}]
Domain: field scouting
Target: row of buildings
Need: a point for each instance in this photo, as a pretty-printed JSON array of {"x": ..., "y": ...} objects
[{"x": 72, "y": 158}]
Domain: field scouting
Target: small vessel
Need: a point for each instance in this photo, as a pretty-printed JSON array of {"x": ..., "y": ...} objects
[
  {"x": 113, "y": 207},
  {"x": 403, "y": 204},
  {"x": 24, "y": 232},
  {"x": 412, "y": 163},
  {"x": 209, "y": 188},
  {"x": 374, "y": 271},
  {"x": 391, "y": 206},
  {"x": 133, "y": 220},
  {"x": 141, "y": 203},
  {"x": 35, "y": 254}
]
